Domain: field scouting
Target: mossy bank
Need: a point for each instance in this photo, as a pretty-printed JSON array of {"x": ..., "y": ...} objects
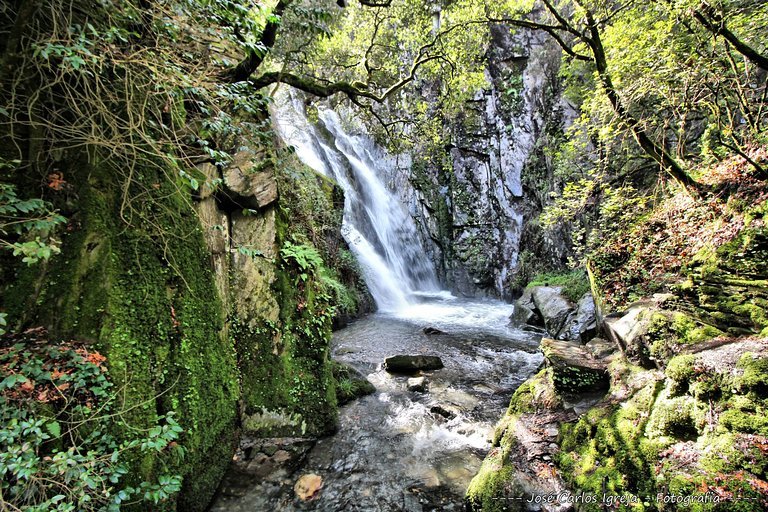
[{"x": 213, "y": 308}]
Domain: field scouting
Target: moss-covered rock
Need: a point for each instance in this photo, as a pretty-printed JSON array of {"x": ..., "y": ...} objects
[
  {"x": 201, "y": 307},
  {"x": 144, "y": 295},
  {"x": 518, "y": 466}
]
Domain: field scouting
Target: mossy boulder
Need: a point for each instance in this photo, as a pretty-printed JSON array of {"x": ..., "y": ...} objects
[{"x": 519, "y": 466}]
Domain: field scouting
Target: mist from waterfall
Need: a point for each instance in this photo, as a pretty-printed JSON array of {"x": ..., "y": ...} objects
[{"x": 376, "y": 225}]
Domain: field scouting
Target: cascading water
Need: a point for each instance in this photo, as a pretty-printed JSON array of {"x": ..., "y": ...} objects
[
  {"x": 376, "y": 225},
  {"x": 399, "y": 448}
]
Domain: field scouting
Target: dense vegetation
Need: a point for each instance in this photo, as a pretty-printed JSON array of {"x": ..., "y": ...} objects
[{"x": 119, "y": 121}]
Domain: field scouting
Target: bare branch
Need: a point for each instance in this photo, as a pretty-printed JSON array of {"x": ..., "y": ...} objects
[
  {"x": 350, "y": 89},
  {"x": 552, "y": 30}
]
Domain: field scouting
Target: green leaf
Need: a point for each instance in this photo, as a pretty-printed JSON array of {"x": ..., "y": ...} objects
[{"x": 54, "y": 428}]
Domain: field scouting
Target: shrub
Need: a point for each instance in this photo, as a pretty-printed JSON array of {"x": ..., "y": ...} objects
[{"x": 63, "y": 445}]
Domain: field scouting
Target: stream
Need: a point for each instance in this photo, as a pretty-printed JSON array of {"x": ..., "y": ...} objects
[{"x": 400, "y": 450}]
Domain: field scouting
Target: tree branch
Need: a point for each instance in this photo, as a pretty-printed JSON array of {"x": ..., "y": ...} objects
[
  {"x": 552, "y": 30},
  {"x": 253, "y": 60},
  {"x": 350, "y": 89},
  {"x": 717, "y": 26}
]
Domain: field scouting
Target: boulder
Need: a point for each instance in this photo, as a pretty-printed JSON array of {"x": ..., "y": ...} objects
[
  {"x": 247, "y": 185},
  {"x": 432, "y": 331},
  {"x": 418, "y": 384},
  {"x": 632, "y": 330},
  {"x": 412, "y": 363},
  {"x": 582, "y": 323},
  {"x": 525, "y": 313},
  {"x": 554, "y": 308}
]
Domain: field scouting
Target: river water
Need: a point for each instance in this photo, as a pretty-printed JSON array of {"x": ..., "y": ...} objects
[{"x": 395, "y": 450}]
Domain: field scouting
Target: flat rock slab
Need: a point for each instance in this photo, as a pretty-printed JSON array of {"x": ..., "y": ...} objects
[
  {"x": 574, "y": 367},
  {"x": 412, "y": 363}
]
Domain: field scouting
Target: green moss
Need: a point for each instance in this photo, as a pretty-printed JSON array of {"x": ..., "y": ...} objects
[
  {"x": 144, "y": 294},
  {"x": 680, "y": 370},
  {"x": 754, "y": 380},
  {"x": 284, "y": 361},
  {"x": 494, "y": 488},
  {"x": 575, "y": 283},
  {"x": 690, "y": 332},
  {"x": 534, "y": 394},
  {"x": 602, "y": 450},
  {"x": 677, "y": 418},
  {"x": 350, "y": 384}
]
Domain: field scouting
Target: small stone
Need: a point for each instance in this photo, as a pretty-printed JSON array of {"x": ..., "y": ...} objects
[
  {"x": 442, "y": 411},
  {"x": 281, "y": 456},
  {"x": 269, "y": 449},
  {"x": 417, "y": 384},
  {"x": 308, "y": 487},
  {"x": 432, "y": 331}
]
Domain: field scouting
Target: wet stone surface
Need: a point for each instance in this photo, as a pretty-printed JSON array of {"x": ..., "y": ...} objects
[{"x": 401, "y": 449}]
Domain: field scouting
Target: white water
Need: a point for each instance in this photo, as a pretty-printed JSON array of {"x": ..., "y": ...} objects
[{"x": 376, "y": 225}]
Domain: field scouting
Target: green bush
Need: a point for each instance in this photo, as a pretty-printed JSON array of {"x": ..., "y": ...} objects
[{"x": 64, "y": 445}]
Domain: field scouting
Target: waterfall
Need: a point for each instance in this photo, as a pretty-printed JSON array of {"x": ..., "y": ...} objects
[{"x": 376, "y": 225}]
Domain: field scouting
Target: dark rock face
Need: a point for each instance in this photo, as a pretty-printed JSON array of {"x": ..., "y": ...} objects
[{"x": 412, "y": 363}]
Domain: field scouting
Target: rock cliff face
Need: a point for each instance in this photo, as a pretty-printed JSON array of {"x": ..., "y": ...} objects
[
  {"x": 217, "y": 304},
  {"x": 476, "y": 202}
]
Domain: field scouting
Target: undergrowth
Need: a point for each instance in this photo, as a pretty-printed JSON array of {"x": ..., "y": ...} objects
[{"x": 64, "y": 441}]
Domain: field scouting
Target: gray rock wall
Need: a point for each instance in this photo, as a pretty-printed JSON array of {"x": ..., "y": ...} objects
[{"x": 474, "y": 206}]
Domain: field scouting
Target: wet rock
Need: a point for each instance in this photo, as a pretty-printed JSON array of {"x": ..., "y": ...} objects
[
  {"x": 432, "y": 331},
  {"x": 308, "y": 487},
  {"x": 544, "y": 310},
  {"x": 534, "y": 329},
  {"x": 442, "y": 411},
  {"x": 352, "y": 384},
  {"x": 526, "y": 314},
  {"x": 412, "y": 363},
  {"x": 574, "y": 368},
  {"x": 582, "y": 325},
  {"x": 418, "y": 384}
]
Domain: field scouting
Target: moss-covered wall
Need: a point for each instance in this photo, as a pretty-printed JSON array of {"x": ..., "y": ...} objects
[
  {"x": 144, "y": 296},
  {"x": 216, "y": 312}
]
